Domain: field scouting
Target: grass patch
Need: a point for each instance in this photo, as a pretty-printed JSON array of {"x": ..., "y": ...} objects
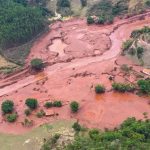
[{"x": 34, "y": 139}]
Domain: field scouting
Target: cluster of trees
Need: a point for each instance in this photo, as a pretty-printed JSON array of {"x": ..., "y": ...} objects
[
  {"x": 137, "y": 33},
  {"x": 105, "y": 10},
  {"x": 132, "y": 134},
  {"x": 132, "y": 47},
  {"x": 64, "y": 7},
  {"x": 19, "y": 23}
]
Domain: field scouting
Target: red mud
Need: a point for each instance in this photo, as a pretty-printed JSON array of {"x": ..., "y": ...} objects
[{"x": 87, "y": 55}]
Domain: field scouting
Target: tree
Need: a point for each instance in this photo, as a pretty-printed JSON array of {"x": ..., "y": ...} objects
[
  {"x": 7, "y": 106},
  {"x": 74, "y": 106},
  {"x": 63, "y": 3},
  {"x": 31, "y": 103},
  {"x": 37, "y": 64}
]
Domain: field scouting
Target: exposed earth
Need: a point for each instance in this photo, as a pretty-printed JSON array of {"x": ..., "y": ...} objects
[{"x": 78, "y": 57}]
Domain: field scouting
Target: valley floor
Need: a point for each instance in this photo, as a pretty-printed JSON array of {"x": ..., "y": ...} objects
[{"x": 78, "y": 57}]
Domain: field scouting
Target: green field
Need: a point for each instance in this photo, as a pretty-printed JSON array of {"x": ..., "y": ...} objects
[{"x": 34, "y": 139}]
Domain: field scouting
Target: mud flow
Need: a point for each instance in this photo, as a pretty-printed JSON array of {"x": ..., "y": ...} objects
[{"x": 78, "y": 57}]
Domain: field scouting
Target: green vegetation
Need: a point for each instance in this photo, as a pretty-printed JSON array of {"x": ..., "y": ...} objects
[
  {"x": 31, "y": 103},
  {"x": 50, "y": 143},
  {"x": 27, "y": 112},
  {"x": 135, "y": 46},
  {"x": 99, "y": 89},
  {"x": 63, "y": 7},
  {"x": 19, "y": 24},
  {"x": 33, "y": 140},
  {"x": 144, "y": 86},
  {"x": 27, "y": 122},
  {"x": 11, "y": 117},
  {"x": 76, "y": 126},
  {"x": 122, "y": 87},
  {"x": 90, "y": 20},
  {"x": 57, "y": 104},
  {"x": 53, "y": 104},
  {"x": 132, "y": 134},
  {"x": 83, "y": 3},
  {"x": 37, "y": 64},
  {"x": 48, "y": 104},
  {"x": 125, "y": 68},
  {"x": 74, "y": 106},
  {"x": 40, "y": 114},
  {"x": 127, "y": 44},
  {"x": 106, "y": 10},
  {"x": 7, "y": 106}
]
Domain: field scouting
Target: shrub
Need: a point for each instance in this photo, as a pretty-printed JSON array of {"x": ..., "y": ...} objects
[
  {"x": 127, "y": 44},
  {"x": 31, "y": 103},
  {"x": 121, "y": 87},
  {"x": 27, "y": 112},
  {"x": 99, "y": 89},
  {"x": 74, "y": 106},
  {"x": 57, "y": 103},
  {"x": 48, "y": 104},
  {"x": 37, "y": 64},
  {"x": 27, "y": 122},
  {"x": 7, "y": 106},
  {"x": 140, "y": 51},
  {"x": 94, "y": 134},
  {"x": 11, "y": 117},
  {"x": 101, "y": 20},
  {"x": 76, "y": 126},
  {"x": 90, "y": 20},
  {"x": 144, "y": 86},
  {"x": 125, "y": 68},
  {"x": 40, "y": 114}
]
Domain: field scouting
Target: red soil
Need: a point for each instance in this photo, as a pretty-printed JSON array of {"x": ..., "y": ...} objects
[{"x": 90, "y": 55}]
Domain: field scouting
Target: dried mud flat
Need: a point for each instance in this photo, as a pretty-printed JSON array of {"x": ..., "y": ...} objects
[{"x": 78, "y": 57}]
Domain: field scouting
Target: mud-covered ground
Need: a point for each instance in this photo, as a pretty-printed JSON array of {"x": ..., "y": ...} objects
[{"x": 78, "y": 57}]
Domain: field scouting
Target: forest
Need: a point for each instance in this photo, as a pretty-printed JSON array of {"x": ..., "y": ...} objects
[{"x": 19, "y": 23}]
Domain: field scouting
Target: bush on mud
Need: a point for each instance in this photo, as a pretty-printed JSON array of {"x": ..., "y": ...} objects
[
  {"x": 11, "y": 117},
  {"x": 122, "y": 87},
  {"x": 144, "y": 86},
  {"x": 48, "y": 104},
  {"x": 7, "y": 106},
  {"x": 27, "y": 112},
  {"x": 74, "y": 106},
  {"x": 90, "y": 20},
  {"x": 40, "y": 114},
  {"x": 125, "y": 68},
  {"x": 99, "y": 89},
  {"x": 37, "y": 64},
  {"x": 27, "y": 123},
  {"x": 57, "y": 104},
  {"x": 31, "y": 103}
]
